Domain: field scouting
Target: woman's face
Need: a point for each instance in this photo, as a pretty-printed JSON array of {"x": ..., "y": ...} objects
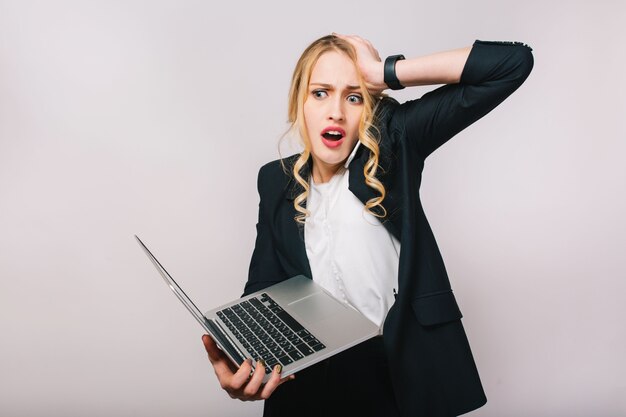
[{"x": 332, "y": 112}]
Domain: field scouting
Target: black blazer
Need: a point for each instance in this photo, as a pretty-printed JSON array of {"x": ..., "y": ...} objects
[{"x": 432, "y": 368}]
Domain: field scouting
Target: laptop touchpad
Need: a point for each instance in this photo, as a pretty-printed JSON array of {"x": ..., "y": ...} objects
[{"x": 316, "y": 307}]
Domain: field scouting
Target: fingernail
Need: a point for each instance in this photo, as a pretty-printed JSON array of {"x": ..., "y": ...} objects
[
  {"x": 249, "y": 361},
  {"x": 260, "y": 362},
  {"x": 278, "y": 368}
]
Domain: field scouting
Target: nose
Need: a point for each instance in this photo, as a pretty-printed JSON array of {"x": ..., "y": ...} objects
[{"x": 336, "y": 110}]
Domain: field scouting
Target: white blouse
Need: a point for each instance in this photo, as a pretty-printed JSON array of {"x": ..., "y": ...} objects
[{"x": 351, "y": 253}]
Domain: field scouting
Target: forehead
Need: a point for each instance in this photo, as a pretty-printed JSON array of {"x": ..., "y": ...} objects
[{"x": 335, "y": 68}]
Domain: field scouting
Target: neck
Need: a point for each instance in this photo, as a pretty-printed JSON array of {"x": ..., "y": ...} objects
[{"x": 323, "y": 172}]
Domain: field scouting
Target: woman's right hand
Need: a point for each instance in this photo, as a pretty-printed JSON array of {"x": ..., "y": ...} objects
[
  {"x": 242, "y": 383},
  {"x": 368, "y": 61}
]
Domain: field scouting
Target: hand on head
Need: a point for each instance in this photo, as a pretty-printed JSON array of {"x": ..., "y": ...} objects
[
  {"x": 368, "y": 61},
  {"x": 242, "y": 383}
]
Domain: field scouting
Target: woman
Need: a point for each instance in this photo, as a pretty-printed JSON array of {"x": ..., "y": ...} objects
[{"x": 321, "y": 213}]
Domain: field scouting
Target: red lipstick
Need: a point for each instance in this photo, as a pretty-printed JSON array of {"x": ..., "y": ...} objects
[{"x": 332, "y": 136}]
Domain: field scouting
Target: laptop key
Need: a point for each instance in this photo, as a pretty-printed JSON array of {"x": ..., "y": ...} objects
[
  {"x": 318, "y": 347},
  {"x": 313, "y": 342},
  {"x": 290, "y": 321},
  {"x": 303, "y": 332},
  {"x": 302, "y": 347},
  {"x": 285, "y": 360}
]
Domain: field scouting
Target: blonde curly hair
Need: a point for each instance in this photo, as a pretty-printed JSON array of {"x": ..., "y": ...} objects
[{"x": 368, "y": 133}]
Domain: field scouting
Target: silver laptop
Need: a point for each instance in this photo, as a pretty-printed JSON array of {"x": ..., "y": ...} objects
[{"x": 295, "y": 323}]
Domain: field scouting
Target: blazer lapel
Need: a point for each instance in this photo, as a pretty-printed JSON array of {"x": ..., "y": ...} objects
[
  {"x": 290, "y": 229},
  {"x": 356, "y": 184}
]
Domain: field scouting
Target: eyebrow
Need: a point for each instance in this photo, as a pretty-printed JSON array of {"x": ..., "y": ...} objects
[{"x": 330, "y": 87}]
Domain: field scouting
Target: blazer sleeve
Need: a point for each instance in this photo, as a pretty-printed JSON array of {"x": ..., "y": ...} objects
[
  {"x": 264, "y": 265},
  {"x": 492, "y": 72}
]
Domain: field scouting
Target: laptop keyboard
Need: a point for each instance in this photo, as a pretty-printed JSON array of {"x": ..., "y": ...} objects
[{"x": 268, "y": 332}]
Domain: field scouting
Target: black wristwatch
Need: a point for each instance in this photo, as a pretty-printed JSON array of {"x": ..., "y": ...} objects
[{"x": 389, "y": 74}]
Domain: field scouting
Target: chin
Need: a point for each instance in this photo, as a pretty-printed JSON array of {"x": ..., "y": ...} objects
[
  {"x": 330, "y": 156},
  {"x": 332, "y": 159}
]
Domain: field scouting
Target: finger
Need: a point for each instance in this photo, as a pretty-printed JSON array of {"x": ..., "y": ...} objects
[
  {"x": 271, "y": 384},
  {"x": 215, "y": 353},
  {"x": 257, "y": 379},
  {"x": 212, "y": 350},
  {"x": 370, "y": 47},
  {"x": 362, "y": 44},
  {"x": 351, "y": 38},
  {"x": 217, "y": 357},
  {"x": 242, "y": 375},
  {"x": 287, "y": 379},
  {"x": 354, "y": 39},
  {"x": 221, "y": 364}
]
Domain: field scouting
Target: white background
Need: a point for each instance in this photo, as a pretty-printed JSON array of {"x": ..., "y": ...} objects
[{"x": 153, "y": 117}]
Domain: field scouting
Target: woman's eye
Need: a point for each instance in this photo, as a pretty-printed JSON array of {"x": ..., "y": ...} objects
[
  {"x": 353, "y": 98},
  {"x": 319, "y": 93}
]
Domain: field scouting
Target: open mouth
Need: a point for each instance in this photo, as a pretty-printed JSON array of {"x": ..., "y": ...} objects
[{"x": 333, "y": 136}]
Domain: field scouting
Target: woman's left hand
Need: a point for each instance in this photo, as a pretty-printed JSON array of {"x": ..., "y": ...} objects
[{"x": 368, "y": 62}]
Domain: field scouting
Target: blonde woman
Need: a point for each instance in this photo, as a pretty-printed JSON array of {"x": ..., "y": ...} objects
[{"x": 346, "y": 212}]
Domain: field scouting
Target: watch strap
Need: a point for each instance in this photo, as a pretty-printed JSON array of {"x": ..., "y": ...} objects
[{"x": 389, "y": 72}]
